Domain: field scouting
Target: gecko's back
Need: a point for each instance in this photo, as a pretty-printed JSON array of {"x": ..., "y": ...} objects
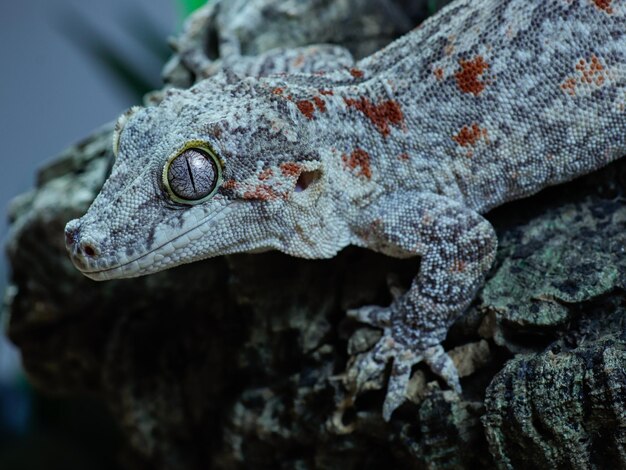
[{"x": 512, "y": 96}]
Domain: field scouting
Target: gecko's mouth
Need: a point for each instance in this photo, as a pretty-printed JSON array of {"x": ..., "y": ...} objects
[{"x": 156, "y": 259}]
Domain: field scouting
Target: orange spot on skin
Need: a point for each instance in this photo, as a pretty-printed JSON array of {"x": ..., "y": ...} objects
[
  {"x": 604, "y": 5},
  {"x": 278, "y": 90},
  {"x": 262, "y": 192},
  {"x": 319, "y": 102},
  {"x": 290, "y": 169},
  {"x": 469, "y": 135},
  {"x": 381, "y": 115},
  {"x": 468, "y": 77},
  {"x": 438, "y": 73},
  {"x": 229, "y": 184},
  {"x": 356, "y": 73},
  {"x": 266, "y": 174},
  {"x": 326, "y": 92},
  {"x": 569, "y": 86},
  {"x": 404, "y": 157},
  {"x": 358, "y": 159},
  {"x": 306, "y": 108},
  {"x": 591, "y": 72}
]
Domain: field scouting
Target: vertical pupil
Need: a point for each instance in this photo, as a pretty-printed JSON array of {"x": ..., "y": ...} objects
[{"x": 192, "y": 175}]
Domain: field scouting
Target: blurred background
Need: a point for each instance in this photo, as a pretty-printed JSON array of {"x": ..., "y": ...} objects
[{"x": 68, "y": 66}]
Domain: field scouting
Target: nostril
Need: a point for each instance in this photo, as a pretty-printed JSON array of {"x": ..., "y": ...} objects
[
  {"x": 80, "y": 244},
  {"x": 89, "y": 250}
]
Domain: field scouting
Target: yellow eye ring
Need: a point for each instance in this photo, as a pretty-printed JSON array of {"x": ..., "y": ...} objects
[{"x": 192, "y": 175}]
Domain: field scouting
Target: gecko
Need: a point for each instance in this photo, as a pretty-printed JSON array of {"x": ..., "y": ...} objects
[{"x": 403, "y": 153}]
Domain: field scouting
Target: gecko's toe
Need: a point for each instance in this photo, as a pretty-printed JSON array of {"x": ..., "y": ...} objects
[
  {"x": 366, "y": 371},
  {"x": 441, "y": 364},
  {"x": 374, "y": 315},
  {"x": 369, "y": 366},
  {"x": 396, "y": 390}
]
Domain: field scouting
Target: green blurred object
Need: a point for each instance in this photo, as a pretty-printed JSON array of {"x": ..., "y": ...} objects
[
  {"x": 189, "y": 6},
  {"x": 436, "y": 5}
]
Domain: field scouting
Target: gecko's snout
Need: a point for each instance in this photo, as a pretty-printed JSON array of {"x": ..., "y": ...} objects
[{"x": 80, "y": 248}]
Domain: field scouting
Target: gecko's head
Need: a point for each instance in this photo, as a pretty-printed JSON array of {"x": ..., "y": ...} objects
[{"x": 219, "y": 168}]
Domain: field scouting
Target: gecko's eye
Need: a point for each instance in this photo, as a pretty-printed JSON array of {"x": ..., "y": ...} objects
[{"x": 192, "y": 176}]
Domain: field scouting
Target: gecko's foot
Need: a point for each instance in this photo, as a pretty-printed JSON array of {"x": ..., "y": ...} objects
[{"x": 370, "y": 363}]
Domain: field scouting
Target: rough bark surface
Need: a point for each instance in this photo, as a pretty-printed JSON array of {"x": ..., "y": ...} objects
[{"x": 237, "y": 362}]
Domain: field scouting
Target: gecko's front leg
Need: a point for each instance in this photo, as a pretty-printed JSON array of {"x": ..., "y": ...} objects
[{"x": 457, "y": 247}]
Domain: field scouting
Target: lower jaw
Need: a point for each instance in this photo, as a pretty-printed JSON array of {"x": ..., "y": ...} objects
[{"x": 111, "y": 273}]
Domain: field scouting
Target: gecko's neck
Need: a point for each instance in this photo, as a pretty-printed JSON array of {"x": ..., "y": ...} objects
[
  {"x": 344, "y": 112},
  {"x": 366, "y": 129}
]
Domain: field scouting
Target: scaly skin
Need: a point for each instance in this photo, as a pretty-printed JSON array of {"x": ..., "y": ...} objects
[{"x": 488, "y": 101}]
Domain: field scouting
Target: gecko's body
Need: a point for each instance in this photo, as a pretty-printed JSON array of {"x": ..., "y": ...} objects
[{"x": 486, "y": 102}]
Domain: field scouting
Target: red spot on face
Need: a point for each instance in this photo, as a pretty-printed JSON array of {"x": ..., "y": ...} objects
[
  {"x": 319, "y": 102},
  {"x": 358, "y": 159},
  {"x": 404, "y": 157},
  {"x": 604, "y": 5},
  {"x": 326, "y": 92},
  {"x": 229, "y": 184},
  {"x": 469, "y": 135},
  {"x": 468, "y": 76},
  {"x": 266, "y": 174},
  {"x": 438, "y": 73},
  {"x": 381, "y": 114},
  {"x": 290, "y": 169},
  {"x": 306, "y": 108},
  {"x": 278, "y": 90},
  {"x": 356, "y": 73},
  {"x": 262, "y": 193}
]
